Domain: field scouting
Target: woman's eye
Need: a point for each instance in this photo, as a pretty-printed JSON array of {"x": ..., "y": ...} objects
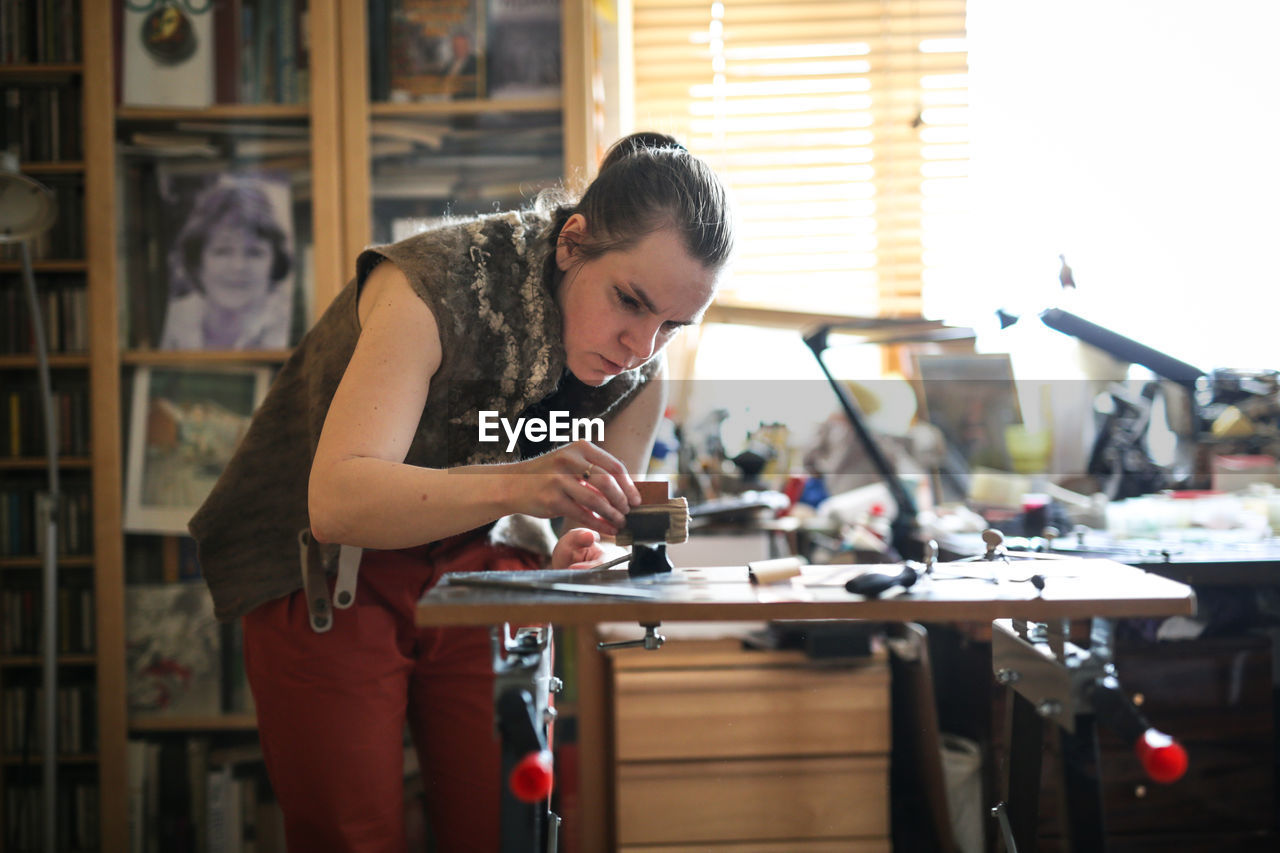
[{"x": 627, "y": 301}]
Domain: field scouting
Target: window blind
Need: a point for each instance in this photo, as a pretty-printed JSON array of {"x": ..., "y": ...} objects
[{"x": 841, "y": 129}]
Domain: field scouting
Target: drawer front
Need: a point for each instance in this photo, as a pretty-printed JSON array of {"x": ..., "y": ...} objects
[
  {"x": 762, "y": 800},
  {"x": 839, "y": 845},
  {"x": 681, "y": 714}
]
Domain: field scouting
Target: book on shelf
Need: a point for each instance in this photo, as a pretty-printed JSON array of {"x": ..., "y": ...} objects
[
  {"x": 184, "y": 425},
  {"x": 74, "y": 714},
  {"x": 38, "y": 31},
  {"x": 173, "y": 651},
  {"x": 21, "y": 531},
  {"x": 22, "y": 431},
  {"x": 63, "y": 305},
  {"x": 436, "y": 48},
  {"x": 427, "y": 134},
  {"x": 76, "y": 808},
  {"x": 190, "y": 794},
  {"x": 523, "y": 48},
  {"x": 42, "y": 120}
]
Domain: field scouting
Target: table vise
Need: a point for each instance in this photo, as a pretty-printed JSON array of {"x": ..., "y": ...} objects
[
  {"x": 1054, "y": 682},
  {"x": 523, "y": 715}
]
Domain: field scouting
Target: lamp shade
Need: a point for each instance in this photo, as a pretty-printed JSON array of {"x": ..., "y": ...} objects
[{"x": 27, "y": 207}]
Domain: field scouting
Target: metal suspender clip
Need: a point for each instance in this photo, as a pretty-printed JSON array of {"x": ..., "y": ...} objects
[
  {"x": 316, "y": 560},
  {"x": 313, "y": 583}
]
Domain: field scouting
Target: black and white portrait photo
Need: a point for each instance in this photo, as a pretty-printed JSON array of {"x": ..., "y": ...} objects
[{"x": 229, "y": 258}]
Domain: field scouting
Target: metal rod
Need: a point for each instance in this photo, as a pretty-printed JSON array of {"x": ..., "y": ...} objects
[
  {"x": 903, "y": 525},
  {"x": 49, "y": 512}
]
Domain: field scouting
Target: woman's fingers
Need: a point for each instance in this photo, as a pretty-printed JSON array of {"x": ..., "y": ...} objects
[
  {"x": 577, "y": 546},
  {"x": 607, "y": 475},
  {"x": 587, "y": 495},
  {"x": 586, "y": 485}
]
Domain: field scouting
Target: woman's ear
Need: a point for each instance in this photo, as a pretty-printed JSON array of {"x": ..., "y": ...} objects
[{"x": 570, "y": 239}]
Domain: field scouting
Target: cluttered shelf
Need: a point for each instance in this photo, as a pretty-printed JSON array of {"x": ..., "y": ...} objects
[{"x": 473, "y": 107}]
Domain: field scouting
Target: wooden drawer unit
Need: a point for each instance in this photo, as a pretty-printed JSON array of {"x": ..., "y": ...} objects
[{"x": 724, "y": 749}]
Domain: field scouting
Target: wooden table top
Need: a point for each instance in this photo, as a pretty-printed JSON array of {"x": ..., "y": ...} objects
[{"x": 1073, "y": 589}]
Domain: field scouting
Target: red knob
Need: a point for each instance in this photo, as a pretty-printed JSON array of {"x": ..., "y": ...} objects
[
  {"x": 1162, "y": 757},
  {"x": 531, "y": 778}
]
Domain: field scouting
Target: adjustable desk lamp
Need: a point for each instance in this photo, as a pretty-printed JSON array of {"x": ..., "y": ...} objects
[
  {"x": 902, "y": 530},
  {"x": 27, "y": 210}
]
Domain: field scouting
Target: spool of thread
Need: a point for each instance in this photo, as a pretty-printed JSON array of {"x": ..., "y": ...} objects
[{"x": 775, "y": 571}]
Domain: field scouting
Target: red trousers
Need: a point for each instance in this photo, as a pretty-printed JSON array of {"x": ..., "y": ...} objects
[{"x": 332, "y": 708}]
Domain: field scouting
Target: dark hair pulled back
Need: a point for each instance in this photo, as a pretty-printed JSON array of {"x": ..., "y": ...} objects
[{"x": 648, "y": 181}]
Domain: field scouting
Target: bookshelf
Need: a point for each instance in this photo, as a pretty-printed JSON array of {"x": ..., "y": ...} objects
[
  {"x": 41, "y": 98},
  {"x": 90, "y": 137}
]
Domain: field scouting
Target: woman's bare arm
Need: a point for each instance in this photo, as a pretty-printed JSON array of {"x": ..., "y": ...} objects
[{"x": 362, "y": 493}]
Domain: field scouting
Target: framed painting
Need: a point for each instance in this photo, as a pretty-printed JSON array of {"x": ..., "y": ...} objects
[{"x": 184, "y": 425}]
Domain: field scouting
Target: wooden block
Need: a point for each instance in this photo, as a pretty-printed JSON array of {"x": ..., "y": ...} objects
[
  {"x": 665, "y": 522},
  {"x": 653, "y": 491}
]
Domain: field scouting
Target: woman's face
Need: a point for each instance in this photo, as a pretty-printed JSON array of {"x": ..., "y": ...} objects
[
  {"x": 621, "y": 308},
  {"x": 235, "y": 267}
]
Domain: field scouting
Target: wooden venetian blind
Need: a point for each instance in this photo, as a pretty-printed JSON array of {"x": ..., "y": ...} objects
[{"x": 841, "y": 127}]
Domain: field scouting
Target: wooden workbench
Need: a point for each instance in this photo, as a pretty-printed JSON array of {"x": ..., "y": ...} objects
[{"x": 1073, "y": 589}]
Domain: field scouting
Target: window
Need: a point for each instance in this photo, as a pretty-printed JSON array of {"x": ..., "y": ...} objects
[
  {"x": 1139, "y": 140},
  {"x": 841, "y": 129}
]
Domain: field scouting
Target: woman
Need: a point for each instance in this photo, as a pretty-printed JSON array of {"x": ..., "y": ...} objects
[
  {"x": 370, "y": 437},
  {"x": 228, "y": 266}
]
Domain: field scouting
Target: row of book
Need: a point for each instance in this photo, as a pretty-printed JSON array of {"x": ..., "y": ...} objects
[
  {"x": 22, "y": 429},
  {"x": 39, "y": 31},
  {"x": 187, "y": 795},
  {"x": 65, "y": 239},
  {"x": 42, "y": 121},
  {"x": 64, "y": 312},
  {"x": 22, "y": 533},
  {"x": 261, "y": 54},
  {"x": 76, "y": 716},
  {"x": 23, "y": 617},
  {"x": 77, "y": 817}
]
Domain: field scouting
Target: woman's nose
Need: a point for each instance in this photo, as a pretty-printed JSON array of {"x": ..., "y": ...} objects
[{"x": 641, "y": 340}]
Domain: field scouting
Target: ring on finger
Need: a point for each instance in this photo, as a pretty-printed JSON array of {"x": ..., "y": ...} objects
[{"x": 586, "y": 475}]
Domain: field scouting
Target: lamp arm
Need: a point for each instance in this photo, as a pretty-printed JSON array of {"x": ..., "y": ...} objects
[{"x": 903, "y": 526}]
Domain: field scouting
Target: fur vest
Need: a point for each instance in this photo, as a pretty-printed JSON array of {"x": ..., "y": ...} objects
[{"x": 488, "y": 282}]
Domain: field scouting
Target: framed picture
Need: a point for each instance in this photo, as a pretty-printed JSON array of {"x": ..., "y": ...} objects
[
  {"x": 183, "y": 427},
  {"x": 972, "y": 399},
  {"x": 437, "y": 49},
  {"x": 226, "y": 240},
  {"x": 524, "y": 48},
  {"x": 173, "y": 651}
]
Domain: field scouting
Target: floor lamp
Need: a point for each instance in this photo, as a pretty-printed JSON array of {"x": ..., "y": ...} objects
[{"x": 28, "y": 210}]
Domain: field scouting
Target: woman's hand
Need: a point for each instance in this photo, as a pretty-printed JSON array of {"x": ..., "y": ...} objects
[
  {"x": 579, "y": 548},
  {"x": 579, "y": 482}
]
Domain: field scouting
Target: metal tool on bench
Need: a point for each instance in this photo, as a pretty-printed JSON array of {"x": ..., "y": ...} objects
[{"x": 658, "y": 521}]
